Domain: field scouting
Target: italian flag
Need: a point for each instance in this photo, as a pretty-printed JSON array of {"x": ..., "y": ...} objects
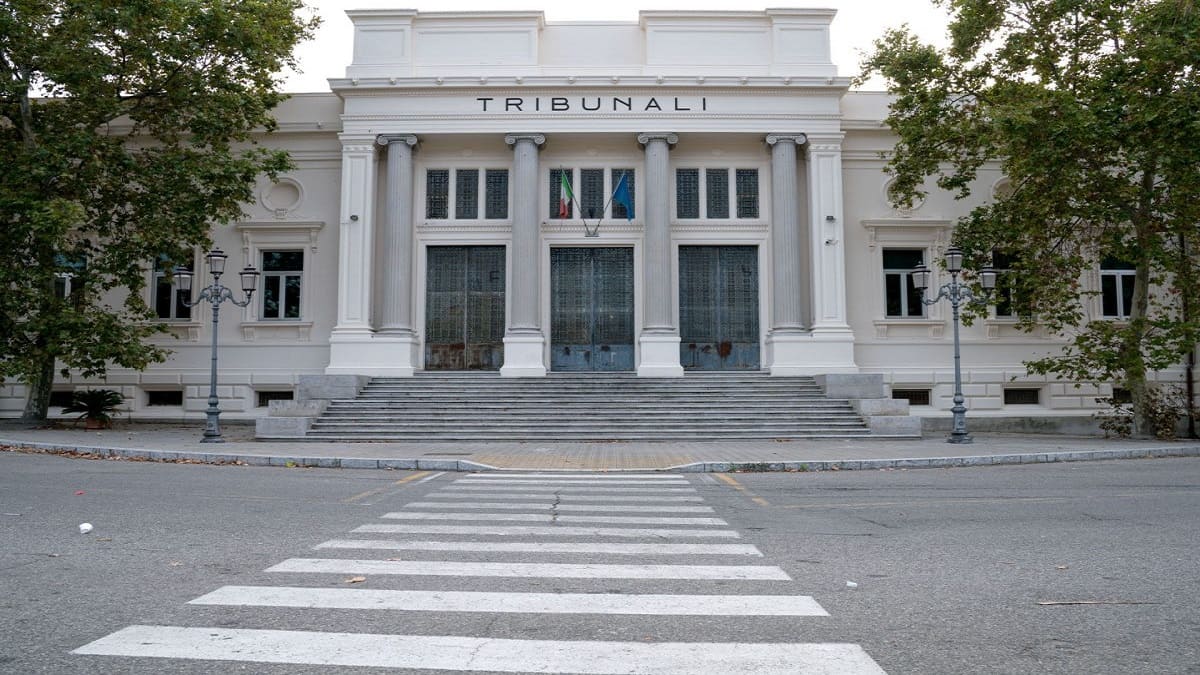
[{"x": 565, "y": 196}]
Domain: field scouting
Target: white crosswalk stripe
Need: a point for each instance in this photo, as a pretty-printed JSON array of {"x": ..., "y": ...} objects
[
  {"x": 554, "y": 518},
  {"x": 551, "y": 506},
  {"x": 514, "y": 603},
  {"x": 544, "y": 531},
  {"x": 549, "y": 547},
  {"x": 551, "y": 512},
  {"x": 483, "y": 654}
]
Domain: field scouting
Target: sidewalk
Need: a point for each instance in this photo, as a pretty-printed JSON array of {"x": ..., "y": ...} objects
[{"x": 163, "y": 442}]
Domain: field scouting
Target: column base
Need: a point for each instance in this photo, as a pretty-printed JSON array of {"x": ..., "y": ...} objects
[
  {"x": 811, "y": 353},
  {"x": 660, "y": 356},
  {"x": 524, "y": 355},
  {"x": 372, "y": 354}
]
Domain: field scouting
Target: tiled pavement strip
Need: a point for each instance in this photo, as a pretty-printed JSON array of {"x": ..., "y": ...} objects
[{"x": 180, "y": 442}]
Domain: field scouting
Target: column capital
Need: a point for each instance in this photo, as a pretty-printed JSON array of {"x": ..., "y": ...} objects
[
  {"x": 538, "y": 139},
  {"x": 667, "y": 136},
  {"x": 388, "y": 139},
  {"x": 356, "y": 143},
  {"x": 798, "y": 139}
]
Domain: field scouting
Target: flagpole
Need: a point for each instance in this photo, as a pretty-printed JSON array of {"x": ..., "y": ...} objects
[{"x": 587, "y": 232}]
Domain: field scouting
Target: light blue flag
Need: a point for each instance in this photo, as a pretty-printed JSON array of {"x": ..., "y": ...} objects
[{"x": 621, "y": 196}]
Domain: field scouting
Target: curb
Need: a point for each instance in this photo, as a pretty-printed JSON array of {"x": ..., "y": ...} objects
[{"x": 461, "y": 465}]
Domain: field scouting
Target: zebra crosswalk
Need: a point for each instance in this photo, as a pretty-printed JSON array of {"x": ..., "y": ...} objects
[{"x": 685, "y": 559}]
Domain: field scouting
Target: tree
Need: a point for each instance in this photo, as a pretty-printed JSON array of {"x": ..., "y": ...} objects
[
  {"x": 125, "y": 132},
  {"x": 1092, "y": 110}
]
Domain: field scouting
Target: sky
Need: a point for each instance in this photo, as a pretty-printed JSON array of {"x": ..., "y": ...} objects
[{"x": 857, "y": 25}]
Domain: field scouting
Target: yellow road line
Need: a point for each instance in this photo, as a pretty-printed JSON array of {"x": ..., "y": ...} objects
[
  {"x": 742, "y": 488},
  {"x": 402, "y": 481}
]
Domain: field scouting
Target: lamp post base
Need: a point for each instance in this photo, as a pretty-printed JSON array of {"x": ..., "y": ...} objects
[{"x": 962, "y": 438}]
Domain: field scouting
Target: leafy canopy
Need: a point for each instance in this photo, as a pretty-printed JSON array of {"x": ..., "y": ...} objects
[
  {"x": 125, "y": 128},
  {"x": 1092, "y": 110}
]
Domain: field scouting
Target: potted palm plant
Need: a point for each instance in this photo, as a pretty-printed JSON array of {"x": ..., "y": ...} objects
[{"x": 96, "y": 407}]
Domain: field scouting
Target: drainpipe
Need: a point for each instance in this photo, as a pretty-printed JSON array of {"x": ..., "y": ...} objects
[{"x": 1189, "y": 376}]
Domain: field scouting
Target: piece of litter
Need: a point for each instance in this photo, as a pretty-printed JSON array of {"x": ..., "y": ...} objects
[
  {"x": 851, "y": 584},
  {"x": 1095, "y": 602},
  {"x": 84, "y": 528},
  {"x": 103, "y": 538},
  {"x": 79, "y": 492},
  {"x": 12, "y": 514},
  {"x": 1062, "y": 567},
  {"x": 356, "y": 580}
]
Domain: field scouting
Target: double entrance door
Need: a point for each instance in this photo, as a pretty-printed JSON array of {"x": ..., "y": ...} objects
[
  {"x": 464, "y": 308},
  {"x": 591, "y": 309},
  {"x": 718, "y": 308}
]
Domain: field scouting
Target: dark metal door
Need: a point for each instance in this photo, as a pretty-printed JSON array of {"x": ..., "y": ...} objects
[
  {"x": 718, "y": 307},
  {"x": 464, "y": 308},
  {"x": 591, "y": 309}
]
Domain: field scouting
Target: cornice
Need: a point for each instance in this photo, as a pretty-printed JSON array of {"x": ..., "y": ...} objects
[{"x": 357, "y": 86}]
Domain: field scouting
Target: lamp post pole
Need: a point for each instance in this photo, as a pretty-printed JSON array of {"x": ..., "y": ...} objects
[
  {"x": 958, "y": 294},
  {"x": 215, "y": 294}
]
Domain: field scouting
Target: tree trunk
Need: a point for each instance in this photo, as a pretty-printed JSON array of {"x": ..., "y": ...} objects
[
  {"x": 1131, "y": 347},
  {"x": 37, "y": 403}
]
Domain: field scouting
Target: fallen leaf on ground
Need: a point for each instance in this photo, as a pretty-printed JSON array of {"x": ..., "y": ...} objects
[{"x": 356, "y": 580}]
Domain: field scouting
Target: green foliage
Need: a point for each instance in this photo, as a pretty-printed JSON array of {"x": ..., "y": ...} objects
[
  {"x": 1167, "y": 405},
  {"x": 96, "y": 405},
  {"x": 125, "y": 128},
  {"x": 1092, "y": 110}
]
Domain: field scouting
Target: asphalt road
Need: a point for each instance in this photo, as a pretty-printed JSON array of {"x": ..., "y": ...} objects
[{"x": 950, "y": 565}]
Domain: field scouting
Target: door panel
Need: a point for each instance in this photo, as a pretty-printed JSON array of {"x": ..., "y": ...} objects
[
  {"x": 591, "y": 309},
  {"x": 464, "y": 308},
  {"x": 718, "y": 307}
]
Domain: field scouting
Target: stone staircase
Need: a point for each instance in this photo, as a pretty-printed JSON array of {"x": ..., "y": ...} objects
[{"x": 587, "y": 407}]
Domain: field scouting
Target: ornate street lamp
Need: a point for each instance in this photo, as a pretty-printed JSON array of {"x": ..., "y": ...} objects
[
  {"x": 958, "y": 294},
  {"x": 215, "y": 294}
]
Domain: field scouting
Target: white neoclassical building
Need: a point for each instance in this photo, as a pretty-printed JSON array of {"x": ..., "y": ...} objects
[{"x": 488, "y": 191}]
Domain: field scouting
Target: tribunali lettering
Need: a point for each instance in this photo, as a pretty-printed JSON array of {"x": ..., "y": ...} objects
[{"x": 527, "y": 104}]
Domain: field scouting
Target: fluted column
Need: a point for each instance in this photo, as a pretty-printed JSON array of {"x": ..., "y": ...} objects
[
  {"x": 524, "y": 343},
  {"x": 786, "y": 254},
  {"x": 396, "y": 236},
  {"x": 659, "y": 340}
]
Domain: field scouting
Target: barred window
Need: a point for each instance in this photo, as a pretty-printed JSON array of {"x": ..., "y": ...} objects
[
  {"x": 591, "y": 193},
  {"x": 497, "y": 194},
  {"x": 618, "y": 210},
  {"x": 437, "y": 194},
  {"x": 466, "y": 195},
  {"x": 747, "y": 193},
  {"x": 687, "y": 193},
  {"x": 714, "y": 191},
  {"x": 716, "y": 182}
]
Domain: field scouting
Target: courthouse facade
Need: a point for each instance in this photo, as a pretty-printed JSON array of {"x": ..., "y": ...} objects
[{"x": 696, "y": 191}]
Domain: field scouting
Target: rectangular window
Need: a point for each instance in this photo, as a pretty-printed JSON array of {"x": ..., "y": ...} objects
[
  {"x": 713, "y": 190},
  {"x": 901, "y": 297},
  {"x": 1116, "y": 287},
  {"x": 62, "y": 398},
  {"x": 747, "y": 193},
  {"x": 282, "y": 274},
  {"x": 172, "y": 398},
  {"x": 169, "y": 299},
  {"x": 561, "y": 204},
  {"x": 913, "y": 396},
  {"x": 1007, "y": 302},
  {"x": 591, "y": 193},
  {"x": 466, "y": 194},
  {"x": 265, "y": 397},
  {"x": 497, "y": 194},
  {"x": 1022, "y": 396},
  {"x": 618, "y": 210},
  {"x": 687, "y": 193},
  {"x": 716, "y": 183},
  {"x": 437, "y": 194},
  {"x": 68, "y": 279}
]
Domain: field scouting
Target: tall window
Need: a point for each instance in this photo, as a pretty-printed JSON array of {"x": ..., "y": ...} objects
[
  {"x": 68, "y": 279},
  {"x": 1116, "y": 287},
  {"x": 588, "y": 192},
  {"x": 706, "y": 193},
  {"x": 465, "y": 191},
  {"x": 901, "y": 297},
  {"x": 1008, "y": 301},
  {"x": 282, "y": 276},
  {"x": 168, "y": 298}
]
